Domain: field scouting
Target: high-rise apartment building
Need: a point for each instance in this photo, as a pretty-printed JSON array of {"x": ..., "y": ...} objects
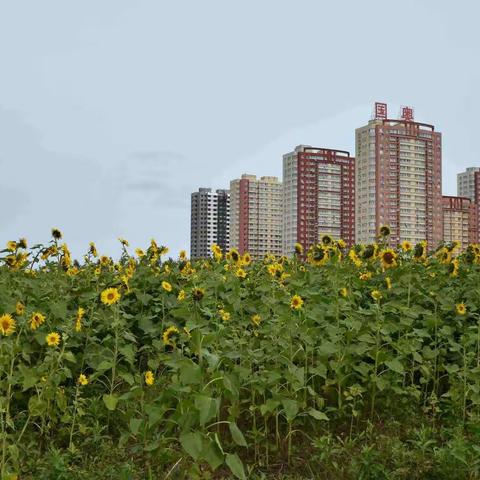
[
  {"x": 398, "y": 179},
  {"x": 210, "y": 218},
  {"x": 458, "y": 220},
  {"x": 318, "y": 196},
  {"x": 256, "y": 215},
  {"x": 468, "y": 183}
]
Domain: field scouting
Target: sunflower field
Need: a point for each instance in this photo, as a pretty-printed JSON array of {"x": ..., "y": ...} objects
[{"x": 334, "y": 363}]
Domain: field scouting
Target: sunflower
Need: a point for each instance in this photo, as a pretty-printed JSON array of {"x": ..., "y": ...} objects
[
  {"x": 388, "y": 282},
  {"x": 406, "y": 246},
  {"x": 369, "y": 251},
  {"x": 56, "y": 234},
  {"x": 298, "y": 249},
  {"x": 139, "y": 252},
  {"x": 352, "y": 255},
  {"x": 22, "y": 243},
  {"x": 344, "y": 292},
  {"x": 36, "y": 320},
  {"x": 168, "y": 334},
  {"x": 198, "y": 294},
  {"x": 234, "y": 255},
  {"x": 110, "y": 296},
  {"x": 19, "y": 308},
  {"x": 420, "y": 250},
  {"x": 461, "y": 308},
  {"x": 444, "y": 255},
  {"x": 385, "y": 231},
  {"x": 53, "y": 339},
  {"x": 93, "y": 250},
  {"x": 166, "y": 286},
  {"x": 246, "y": 259},
  {"x": 181, "y": 295},
  {"x": 376, "y": 295},
  {"x": 327, "y": 240},
  {"x": 241, "y": 273},
  {"x": 104, "y": 260},
  {"x": 182, "y": 255},
  {"x": 318, "y": 255},
  {"x": 453, "y": 267},
  {"x": 388, "y": 258},
  {"x": 78, "y": 319},
  {"x": 7, "y": 324},
  {"x": 225, "y": 316},
  {"x": 149, "y": 378},
  {"x": 296, "y": 302},
  {"x": 123, "y": 242},
  {"x": 341, "y": 244},
  {"x": 256, "y": 319},
  {"x": 82, "y": 379},
  {"x": 11, "y": 245},
  {"x": 365, "y": 276}
]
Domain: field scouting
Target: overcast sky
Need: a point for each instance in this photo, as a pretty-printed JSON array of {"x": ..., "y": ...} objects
[{"x": 112, "y": 112}]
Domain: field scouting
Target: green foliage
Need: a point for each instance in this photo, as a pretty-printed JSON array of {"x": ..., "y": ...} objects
[{"x": 210, "y": 368}]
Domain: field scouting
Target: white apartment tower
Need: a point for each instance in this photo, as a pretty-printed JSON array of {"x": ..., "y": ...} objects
[{"x": 210, "y": 212}]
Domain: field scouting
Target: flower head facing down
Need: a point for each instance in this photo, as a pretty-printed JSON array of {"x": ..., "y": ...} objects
[
  {"x": 82, "y": 379},
  {"x": 461, "y": 308},
  {"x": 298, "y": 249},
  {"x": 53, "y": 339},
  {"x": 110, "y": 296},
  {"x": 344, "y": 292},
  {"x": 388, "y": 282},
  {"x": 36, "y": 320},
  {"x": 7, "y": 324},
  {"x": 385, "y": 231},
  {"x": 296, "y": 302},
  {"x": 198, "y": 294},
  {"x": 168, "y": 335},
  {"x": 149, "y": 378}
]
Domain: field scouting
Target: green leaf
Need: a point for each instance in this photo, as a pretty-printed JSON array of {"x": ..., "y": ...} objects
[
  {"x": 190, "y": 373},
  {"x": 237, "y": 434},
  {"x": 291, "y": 408},
  {"x": 69, "y": 357},
  {"x": 207, "y": 407},
  {"x": 110, "y": 401},
  {"x": 155, "y": 414},
  {"x": 235, "y": 465},
  {"x": 104, "y": 365},
  {"x": 135, "y": 424},
  {"x": 192, "y": 443},
  {"x": 317, "y": 414},
  {"x": 395, "y": 365},
  {"x": 269, "y": 406},
  {"x": 36, "y": 406},
  {"x": 212, "y": 454}
]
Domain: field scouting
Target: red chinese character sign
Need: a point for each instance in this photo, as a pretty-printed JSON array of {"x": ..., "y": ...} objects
[
  {"x": 407, "y": 114},
  {"x": 380, "y": 110}
]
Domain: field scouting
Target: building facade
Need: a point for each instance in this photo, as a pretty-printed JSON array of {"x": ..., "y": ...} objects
[
  {"x": 468, "y": 183},
  {"x": 256, "y": 215},
  {"x": 398, "y": 179},
  {"x": 209, "y": 222},
  {"x": 318, "y": 196},
  {"x": 458, "y": 220}
]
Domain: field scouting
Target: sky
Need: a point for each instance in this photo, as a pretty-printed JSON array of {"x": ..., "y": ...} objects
[{"x": 113, "y": 111}]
